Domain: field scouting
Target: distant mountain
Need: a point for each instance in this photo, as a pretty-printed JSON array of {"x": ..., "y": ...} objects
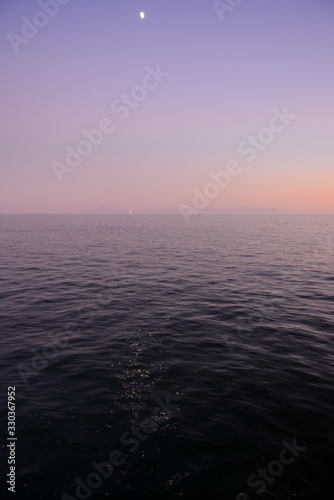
[
  {"x": 236, "y": 210},
  {"x": 250, "y": 210}
]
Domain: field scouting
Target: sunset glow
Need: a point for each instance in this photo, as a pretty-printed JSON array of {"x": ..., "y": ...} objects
[{"x": 157, "y": 136}]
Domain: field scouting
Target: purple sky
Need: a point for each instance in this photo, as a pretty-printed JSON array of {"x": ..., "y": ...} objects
[{"x": 225, "y": 78}]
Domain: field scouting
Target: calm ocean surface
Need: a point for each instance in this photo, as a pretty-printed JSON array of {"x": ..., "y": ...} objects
[{"x": 229, "y": 321}]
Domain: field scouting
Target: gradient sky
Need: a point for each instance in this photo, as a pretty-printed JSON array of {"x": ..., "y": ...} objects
[{"x": 225, "y": 79}]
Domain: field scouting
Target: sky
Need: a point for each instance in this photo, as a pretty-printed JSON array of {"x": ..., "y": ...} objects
[{"x": 179, "y": 95}]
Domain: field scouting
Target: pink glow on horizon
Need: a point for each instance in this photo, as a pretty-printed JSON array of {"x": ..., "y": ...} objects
[{"x": 221, "y": 89}]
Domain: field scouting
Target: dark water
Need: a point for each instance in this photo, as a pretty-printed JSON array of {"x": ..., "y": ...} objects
[{"x": 230, "y": 319}]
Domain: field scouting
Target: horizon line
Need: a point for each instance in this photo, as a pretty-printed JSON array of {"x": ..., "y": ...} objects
[{"x": 170, "y": 213}]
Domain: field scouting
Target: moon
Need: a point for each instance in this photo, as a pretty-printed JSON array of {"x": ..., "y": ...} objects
[{"x": 142, "y": 15}]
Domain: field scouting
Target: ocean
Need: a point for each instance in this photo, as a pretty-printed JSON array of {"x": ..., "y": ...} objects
[{"x": 151, "y": 358}]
